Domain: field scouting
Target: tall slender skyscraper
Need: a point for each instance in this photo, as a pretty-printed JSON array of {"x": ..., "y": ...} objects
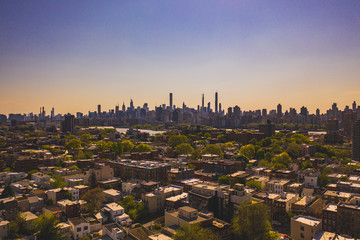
[
  {"x": 216, "y": 102},
  {"x": 354, "y": 106},
  {"x": 202, "y": 104},
  {"x": 99, "y": 109},
  {"x": 279, "y": 110},
  {"x": 171, "y": 100}
]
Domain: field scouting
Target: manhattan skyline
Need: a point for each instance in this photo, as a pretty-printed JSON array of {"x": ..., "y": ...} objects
[{"x": 255, "y": 54}]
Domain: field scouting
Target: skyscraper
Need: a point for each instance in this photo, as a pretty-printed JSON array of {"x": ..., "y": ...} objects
[
  {"x": 203, "y": 105},
  {"x": 216, "y": 102},
  {"x": 279, "y": 110},
  {"x": 356, "y": 141},
  {"x": 354, "y": 106},
  {"x": 171, "y": 100},
  {"x": 52, "y": 113},
  {"x": 68, "y": 125},
  {"x": 99, "y": 109}
]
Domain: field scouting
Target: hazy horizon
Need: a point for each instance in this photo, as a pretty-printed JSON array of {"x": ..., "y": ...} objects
[{"x": 74, "y": 55}]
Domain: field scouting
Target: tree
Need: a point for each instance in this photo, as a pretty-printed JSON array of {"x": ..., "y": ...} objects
[
  {"x": 252, "y": 183},
  {"x": 58, "y": 182},
  {"x": 127, "y": 145},
  {"x": 294, "y": 150},
  {"x": 175, "y": 140},
  {"x": 212, "y": 149},
  {"x": 73, "y": 144},
  {"x": 194, "y": 232},
  {"x": 7, "y": 192},
  {"x": 142, "y": 147},
  {"x": 134, "y": 209},
  {"x": 252, "y": 222},
  {"x": 227, "y": 145},
  {"x": 19, "y": 226},
  {"x": 94, "y": 199},
  {"x": 117, "y": 148},
  {"x": 281, "y": 161},
  {"x": 306, "y": 164},
  {"x": 46, "y": 227},
  {"x": 225, "y": 179},
  {"x": 248, "y": 151},
  {"x": 184, "y": 148}
]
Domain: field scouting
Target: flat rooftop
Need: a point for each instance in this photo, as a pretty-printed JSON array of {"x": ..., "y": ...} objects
[{"x": 307, "y": 220}]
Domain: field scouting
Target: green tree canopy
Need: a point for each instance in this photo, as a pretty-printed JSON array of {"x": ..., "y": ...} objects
[
  {"x": 184, "y": 148},
  {"x": 194, "y": 232},
  {"x": 19, "y": 226},
  {"x": 252, "y": 183},
  {"x": 142, "y": 147},
  {"x": 73, "y": 144},
  {"x": 117, "y": 148},
  {"x": 306, "y": 164},
  {"x": 281, "y": 161},
  {"x": 252, "y": 222},
  {"x": 212, "y": 149},
  {"x": 134, "y": 209},
  {"x": 127, "y": 145},
  {"x": 46, "y": 227},
  {"x": 58, "y": 182},
  {"x": 225, "y": 179},
  {"x": 248, "y": 151},
  {"x": 94, "y": 199},
  {"x": 294, "y": 150},
  {"x": 175, "y": 140}
]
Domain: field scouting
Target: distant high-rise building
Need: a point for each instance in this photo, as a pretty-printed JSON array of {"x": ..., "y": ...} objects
[
  {"x": 303, "y": 111},
  {"x": 131, "y": 104},
  {"x": 171, "y": 100},
  {"x": 264, "y": 112},
  {"x": 334, "y": 107},
  {"x": 267, "y": 129},
  {"x": 203, "y": 103},
  {"x": 356, "y": 141},
  {"x": 354, "y": 106},
  {"x": 52, "y": 113},
  {"x": 216, "y": 102},
  {"x": 279, "y": 110},
  {"x": 99, "y": 109},
  {"x": 220, "y": 108},
  {"x": 68, "y": 125},
  {"x": 349, "y": 117},
  {"x": 123, "y": 107},
  {"x": 317, "y": 112},
  {"x": 208, "y": 108}
]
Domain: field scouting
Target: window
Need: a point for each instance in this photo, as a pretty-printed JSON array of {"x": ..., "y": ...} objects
[
  {"x": 79, "y": 229},
  {"x": 302, "y": 228},
  {"x": 302, "y": 235},
  {"x": 85, "y": 228}
]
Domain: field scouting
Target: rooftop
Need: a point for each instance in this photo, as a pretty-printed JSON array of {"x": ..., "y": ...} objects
[
  {"x": 114, "y": 207},
  {"x": 307, "y": 220},
  {"x": 331, "y": 207}
]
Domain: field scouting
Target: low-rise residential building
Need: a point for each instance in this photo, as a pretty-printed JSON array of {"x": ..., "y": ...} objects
[
  {"x": 329, "y": 218},
  {"x": 154, "y": 202},
  {"x": 112, "y": 195},
  {"x": 187, "y": 215},
  {"x": 277, "y": 185},
  {"x": 304, "y": 227},
  {"x": 4, "y": 229},
  {"x": 40, "y": 178},
  {"x": 79, "y": 227},
  {"x": 348, "y": 221}
]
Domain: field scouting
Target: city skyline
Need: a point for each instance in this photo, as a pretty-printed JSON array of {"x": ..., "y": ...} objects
[
  {"x": 279, "y": 108},
  {"x": 256, "y": 54}
]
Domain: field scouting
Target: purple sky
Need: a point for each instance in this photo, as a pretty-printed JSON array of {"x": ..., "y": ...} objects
[{"x": 73, "y": 55}]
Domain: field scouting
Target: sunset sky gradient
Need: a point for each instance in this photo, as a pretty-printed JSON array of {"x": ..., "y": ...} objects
[{"x": 73, "y": 55}]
